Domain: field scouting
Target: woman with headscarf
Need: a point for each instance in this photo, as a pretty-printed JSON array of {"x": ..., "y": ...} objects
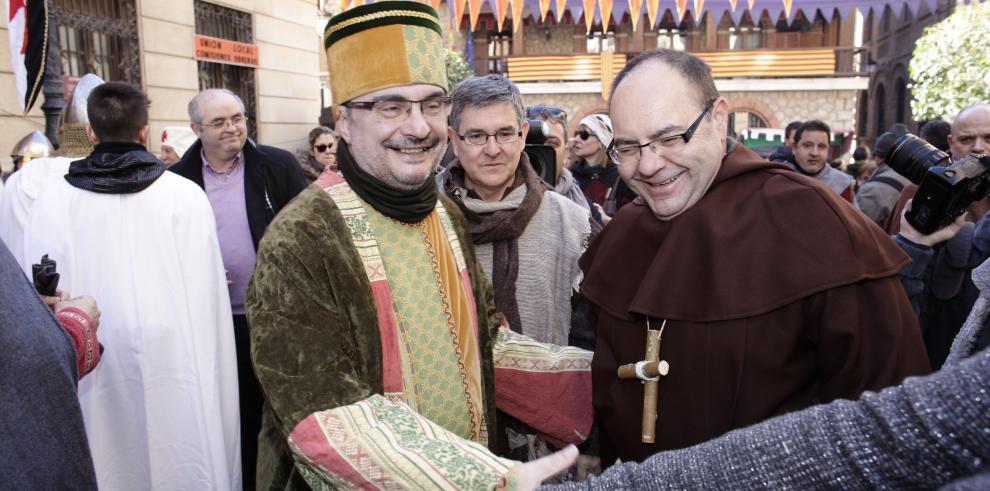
[{"x": 595, "y": 173}]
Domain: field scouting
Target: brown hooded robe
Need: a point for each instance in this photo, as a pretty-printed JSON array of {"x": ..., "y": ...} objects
[{"x": 778, "y": 295}]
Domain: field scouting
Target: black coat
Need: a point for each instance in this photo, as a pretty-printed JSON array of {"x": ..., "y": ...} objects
[{"x": 271, "y": 179}]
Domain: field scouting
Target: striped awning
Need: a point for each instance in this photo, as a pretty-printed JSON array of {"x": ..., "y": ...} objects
[
  {"x": 760, "y": 63},
  {"x": 562, "y": 68}
]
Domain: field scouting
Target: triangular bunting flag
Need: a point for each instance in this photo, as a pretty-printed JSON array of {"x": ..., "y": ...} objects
[
  {"x": 605, "y": 7},
  {"x": 457, "y": 11},
  {"x": 544, "y": 8},
  {"x": 517, "y": 14},
  {"x": 501, "y": 10},
  {"x": 652, "y": 9},
  {"x": 561, "y": 5},
  {"x": 435, "y": 4},
  {"x": 750, "y": 3},
  {"x": 589, "y": 14},
  {"x": 344, "y": 4},
  {"x": 474, "y": 10},
  {"x": 787, "y": 9},
  {"x": 681, "y": 8},
  {"x": 635, "y": 12},
  {"x": 699, "y": 11}
]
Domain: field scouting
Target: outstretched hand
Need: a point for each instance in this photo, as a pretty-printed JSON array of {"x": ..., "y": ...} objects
[
  {"x": 531, "y": 474},
  {"x": 941, "y": 235}
]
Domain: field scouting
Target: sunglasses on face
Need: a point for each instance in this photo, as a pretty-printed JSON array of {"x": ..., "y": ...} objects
[
  {"x": 583, "y": 134},
  {"x": 322, "y": 148},
  {"x": 551, "y": 112}
]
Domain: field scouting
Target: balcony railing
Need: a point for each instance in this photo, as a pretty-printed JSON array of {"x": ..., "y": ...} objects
[
  {"x": 818, "y": 62},
  {"x": 563, "y": 68}
]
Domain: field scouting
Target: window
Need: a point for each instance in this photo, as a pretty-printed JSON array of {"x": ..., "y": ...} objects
[
  {"x": 902, "y": 100},
  {"x": 234, "y": 25},
  {"x": 746, "y": 35},
  {"x": 499, "y": 49},
  {"x": 599, "y": 42},
  {"x": 885, "y": 20},
  {"x": 99, "y": 37},
  {"x": 864, "y": 111},
  {"x": 671, "y": 39},
  {"x": 742, "y": 120},
  {"x": 881, "y": 110},
  {"x": 671, "y": 34}
]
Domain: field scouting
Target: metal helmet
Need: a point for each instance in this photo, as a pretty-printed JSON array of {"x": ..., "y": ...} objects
[
  {"x": 72, "y": 138},
  {"x": 34, "y": 145}
]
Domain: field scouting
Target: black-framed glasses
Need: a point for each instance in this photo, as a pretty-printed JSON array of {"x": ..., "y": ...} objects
[
  {"x": 396, "y": 108},
  {"x": 535, "y": 112},
  {"x": 322, "y": 147},
  {"x": 630, "y": 154},
  {"x": 583, "y": 134},
  {"x": 481, "y": 138}
]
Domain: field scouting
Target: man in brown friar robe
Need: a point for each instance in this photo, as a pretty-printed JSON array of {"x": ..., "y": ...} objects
[{"x": 777, "y": 294}]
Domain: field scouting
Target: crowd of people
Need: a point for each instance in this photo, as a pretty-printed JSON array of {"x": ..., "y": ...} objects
[{"x": 405, "y": 303}]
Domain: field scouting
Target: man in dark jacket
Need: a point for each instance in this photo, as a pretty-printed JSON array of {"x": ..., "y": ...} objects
[{"x": 247, "y": 184}]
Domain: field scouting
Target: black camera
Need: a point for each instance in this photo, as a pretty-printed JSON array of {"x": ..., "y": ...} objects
[
  {"x": 945, "y": 188},
  {"x": 542, "y": 157}
]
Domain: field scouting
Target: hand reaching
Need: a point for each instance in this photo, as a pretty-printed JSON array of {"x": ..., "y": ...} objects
[
  {"x": 84, "y": 303},
  {"x": 531, "y": 474}
]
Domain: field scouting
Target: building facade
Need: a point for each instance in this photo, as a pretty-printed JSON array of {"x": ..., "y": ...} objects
[
  {"x": 266, "y": 52},
  {"x": 771, "y": 71},
  {"x": 888, "y": 38}
]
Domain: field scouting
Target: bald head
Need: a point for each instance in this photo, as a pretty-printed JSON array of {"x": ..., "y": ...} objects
[
  {"x": 970, "y": 131},
  {"x": 195, "y": 108},
  {"x": 694, "y": 70}
]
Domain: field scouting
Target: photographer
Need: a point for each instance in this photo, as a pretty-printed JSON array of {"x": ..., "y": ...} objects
[
  {"x": 938, "y": 278},
  {"x": 556, "y": 119}
]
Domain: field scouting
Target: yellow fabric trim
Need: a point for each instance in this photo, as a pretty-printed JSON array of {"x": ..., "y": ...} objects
[
  {"x": 380, "y": 15},
  {"x": 462, "y": 316}
]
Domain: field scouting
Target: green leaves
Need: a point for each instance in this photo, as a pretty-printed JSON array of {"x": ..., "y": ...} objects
[
  {"x": 951, "y": 64},
  {"x": 457, "y": 69}
]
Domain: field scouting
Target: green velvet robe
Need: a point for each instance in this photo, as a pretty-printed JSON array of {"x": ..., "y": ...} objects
[{"x": 314, "y": 331}]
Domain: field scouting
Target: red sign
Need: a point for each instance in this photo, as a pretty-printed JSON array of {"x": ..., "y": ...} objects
[{"x": 224, "y": 51}]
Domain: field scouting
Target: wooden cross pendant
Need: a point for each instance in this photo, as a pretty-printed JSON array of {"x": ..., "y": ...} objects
[{"x": 649, "y": 372}]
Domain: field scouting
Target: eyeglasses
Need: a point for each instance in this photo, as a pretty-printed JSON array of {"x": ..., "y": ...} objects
[
  {"x": 322, "y": 147},
  {"x": 583, "y": 134},
  {"x": 396, "y": 108},
  {"x": 557, "y": 113},
  {"x": 481, "y": 138},
  {"x": 219, "y": 123},
  {"x": 630, "y": 154}
]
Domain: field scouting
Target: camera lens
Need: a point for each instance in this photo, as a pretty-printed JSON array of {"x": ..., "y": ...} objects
[{"x": 911, "y": 157}]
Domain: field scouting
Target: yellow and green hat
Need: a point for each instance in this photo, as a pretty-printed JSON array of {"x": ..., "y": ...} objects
[{"x": 384, "y": 44}]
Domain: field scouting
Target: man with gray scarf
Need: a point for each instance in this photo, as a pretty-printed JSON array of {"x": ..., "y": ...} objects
[{"x": 528, "y": 240}]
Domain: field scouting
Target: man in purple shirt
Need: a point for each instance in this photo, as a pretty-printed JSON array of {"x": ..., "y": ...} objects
[{"x": 247, "y": 184}]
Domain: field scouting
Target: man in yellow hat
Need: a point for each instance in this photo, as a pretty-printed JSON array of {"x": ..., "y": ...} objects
[{"x": 367, "y": 296}]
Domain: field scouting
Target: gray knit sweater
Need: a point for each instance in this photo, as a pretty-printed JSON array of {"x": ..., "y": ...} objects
[{"x": 929, "y": 432}]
